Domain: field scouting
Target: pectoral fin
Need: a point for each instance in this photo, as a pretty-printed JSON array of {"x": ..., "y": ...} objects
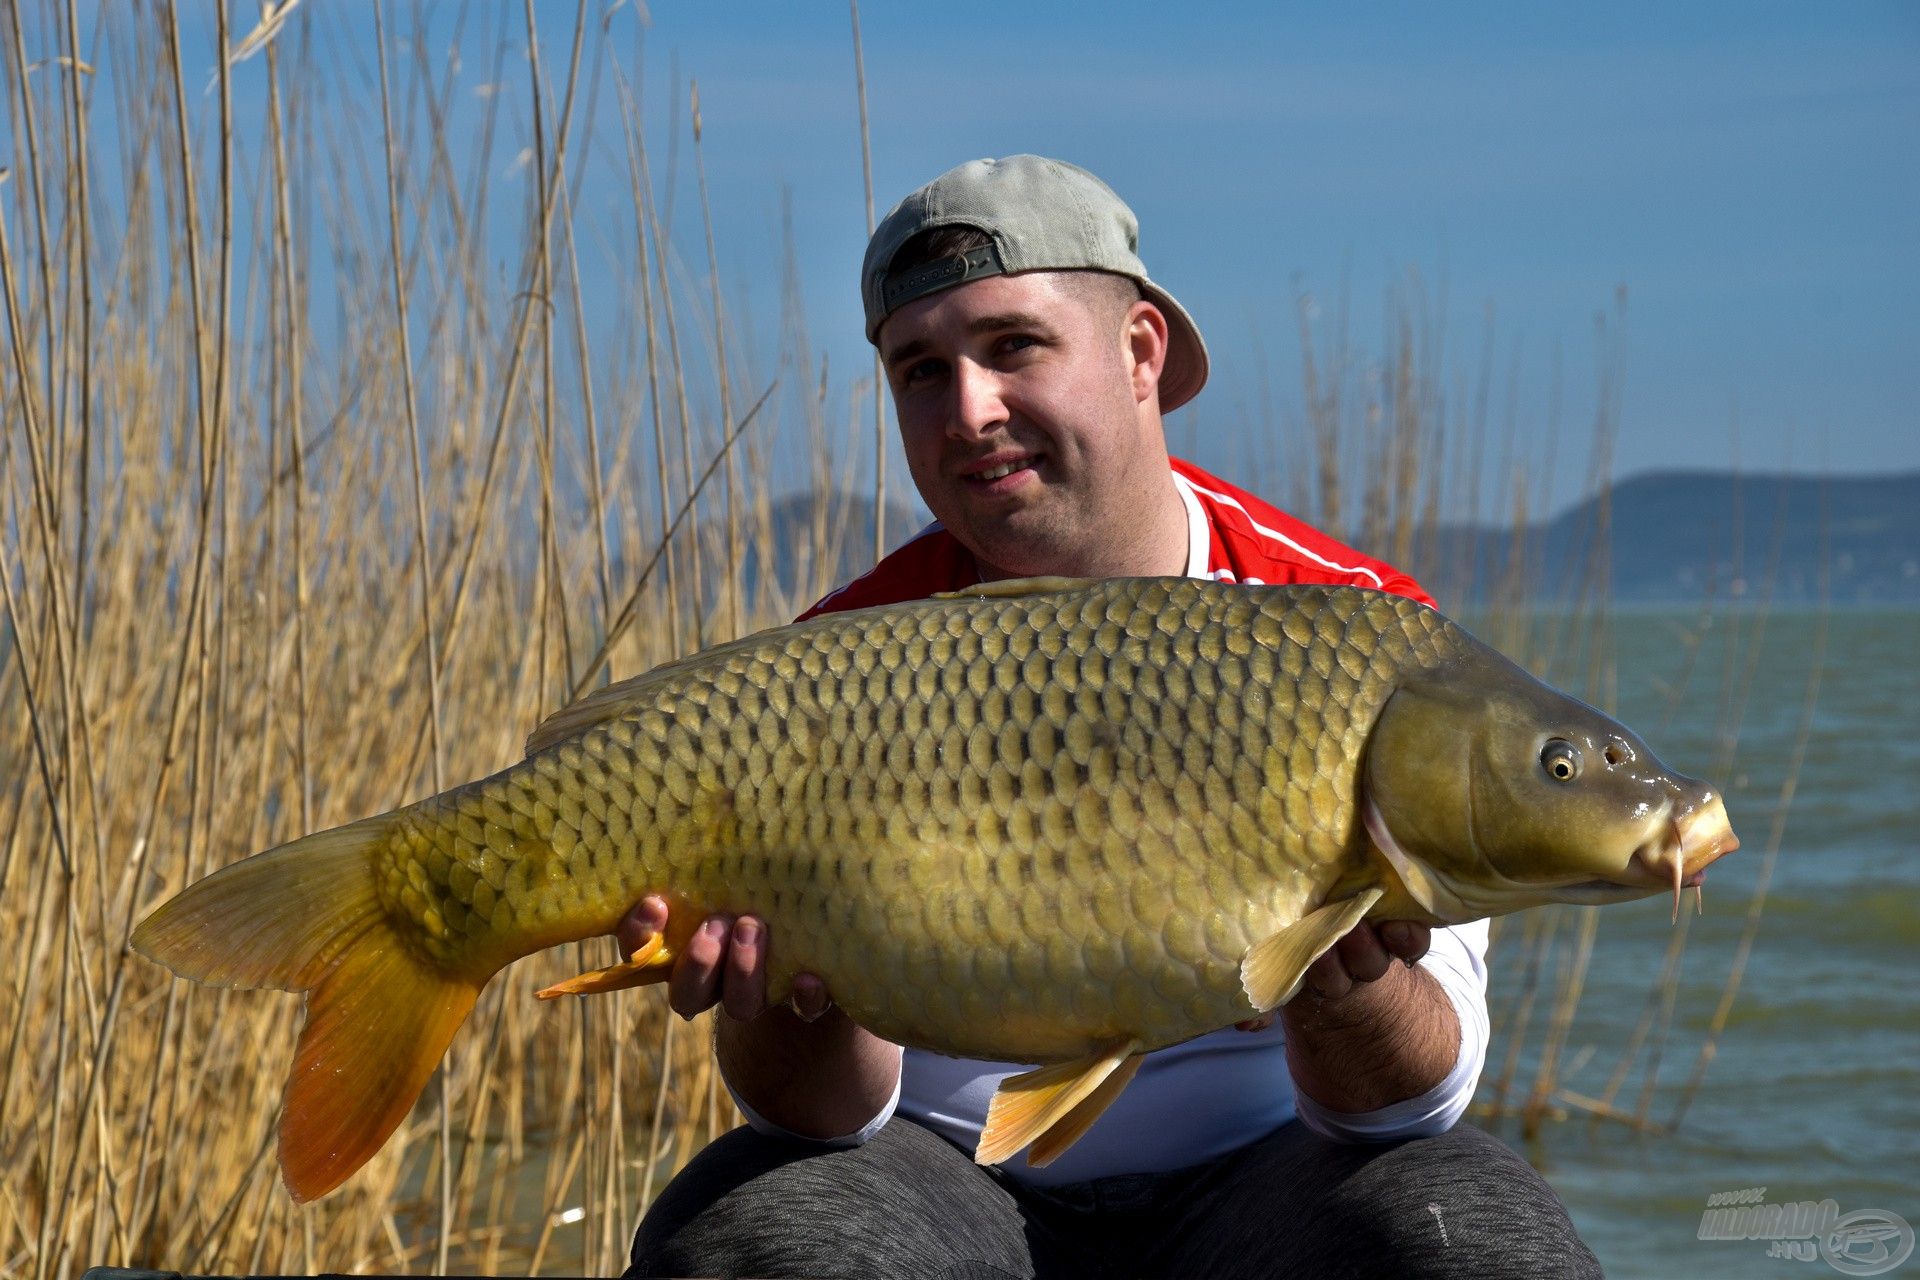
[
  {"x": 1273, "y": 968},
  {"x": 1051, "y": 1107},
  {"x": 651, "y": 963}
]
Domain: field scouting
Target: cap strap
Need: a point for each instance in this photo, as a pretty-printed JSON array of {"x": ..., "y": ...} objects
[{"x": 898, "y": 290}]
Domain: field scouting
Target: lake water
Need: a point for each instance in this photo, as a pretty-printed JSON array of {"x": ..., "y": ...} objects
[{"x": 1814, "y": 1092}]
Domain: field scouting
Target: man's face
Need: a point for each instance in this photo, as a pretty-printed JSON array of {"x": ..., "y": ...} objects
[{"x": 1021, "y": 406}]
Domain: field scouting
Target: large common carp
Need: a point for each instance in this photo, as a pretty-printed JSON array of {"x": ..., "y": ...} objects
[{"x": 1047, "y": 821}]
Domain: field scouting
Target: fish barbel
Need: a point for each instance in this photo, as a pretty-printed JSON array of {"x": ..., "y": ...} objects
[{"x": 1046, "y": 821}]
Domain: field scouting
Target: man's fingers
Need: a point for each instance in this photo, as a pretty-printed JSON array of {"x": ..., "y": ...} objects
[
  {"x": 1366, "y": 954},
  {"x": 1327, "y": 977},
  {"x": 1406, "y": 940},
  {"x": 696, "y": 975},
  {"x": 809, "y": 999},
  {"x": 648, "y": 917},
  {"x": 1361, "y": 954},
  {"x": 743, "y": 991}
]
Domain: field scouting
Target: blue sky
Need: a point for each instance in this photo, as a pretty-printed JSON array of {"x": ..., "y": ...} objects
[
  {"x": 1749, "y": 172},
  {"x": 1746, "y": 172}
]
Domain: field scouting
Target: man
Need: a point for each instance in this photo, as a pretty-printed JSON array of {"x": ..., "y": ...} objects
[{"x": 1031, "y": 360}]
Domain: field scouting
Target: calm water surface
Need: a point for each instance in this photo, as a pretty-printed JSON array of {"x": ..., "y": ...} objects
[{"x": 1814, "y": 1091}]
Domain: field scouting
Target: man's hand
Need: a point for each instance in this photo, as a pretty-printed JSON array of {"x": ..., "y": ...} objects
[
  {"x": 1368, "y": 1028},
  {"x": 723, "y": 963},
  {"x": 798, "y": 1067},
  {"x": 1364, "y": 955}
]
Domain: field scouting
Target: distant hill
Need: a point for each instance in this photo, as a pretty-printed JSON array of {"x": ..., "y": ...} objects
[
  {"x": 1668, "y": 537},
  {"x": 1685, "y": 535}
]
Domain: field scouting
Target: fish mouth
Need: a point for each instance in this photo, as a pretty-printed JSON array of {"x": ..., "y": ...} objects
[
  {"x": 1700, "y": 836},
  {"x": 1675, "y": 856}
]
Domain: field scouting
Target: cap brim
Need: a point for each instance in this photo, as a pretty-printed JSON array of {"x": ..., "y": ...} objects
[{"x": 1185, "y": 370}]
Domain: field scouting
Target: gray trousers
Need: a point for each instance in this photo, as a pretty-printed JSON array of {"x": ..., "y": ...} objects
[{"x": 909, "y": 1203}]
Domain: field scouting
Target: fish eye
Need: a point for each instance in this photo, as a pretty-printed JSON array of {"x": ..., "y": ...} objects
[{"x": 1560, "y": 760}]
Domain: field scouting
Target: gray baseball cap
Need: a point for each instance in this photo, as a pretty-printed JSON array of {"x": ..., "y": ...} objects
[{"x": 1043, "y": 215}]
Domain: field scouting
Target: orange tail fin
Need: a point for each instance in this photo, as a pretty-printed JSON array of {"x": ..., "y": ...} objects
[{"x": 380, "y": 1013}]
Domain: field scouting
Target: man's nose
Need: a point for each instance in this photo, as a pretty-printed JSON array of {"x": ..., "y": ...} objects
[{"x": 978, "y": 402}]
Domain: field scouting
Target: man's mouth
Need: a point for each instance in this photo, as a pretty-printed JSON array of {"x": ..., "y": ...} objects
[{"x": 997, "y": 469}]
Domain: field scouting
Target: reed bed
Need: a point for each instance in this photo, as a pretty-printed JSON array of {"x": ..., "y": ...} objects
[{"x": 332, "y": 463}]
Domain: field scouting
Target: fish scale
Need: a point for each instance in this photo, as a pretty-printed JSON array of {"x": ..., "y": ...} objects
[
  {"x": 974, "y": 816},
  {"x": 1053, "y": 821}
]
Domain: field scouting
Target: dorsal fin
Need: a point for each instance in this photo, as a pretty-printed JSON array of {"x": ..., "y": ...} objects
[
  {"x": 616, "y": 699},
  {"x": 577, "y": 717},
  {"x": 1010, "y": 587}
]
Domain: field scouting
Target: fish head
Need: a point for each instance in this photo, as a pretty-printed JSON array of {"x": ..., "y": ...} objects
[{"x": 1489, "y": 792}]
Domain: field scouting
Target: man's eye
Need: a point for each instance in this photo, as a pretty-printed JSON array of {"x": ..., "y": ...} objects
[
  {"x": 919, "y": 371},
  {"x": 1018, "y": 342}
]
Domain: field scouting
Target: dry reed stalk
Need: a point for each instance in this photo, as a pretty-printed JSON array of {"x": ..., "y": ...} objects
[
  {"x": 1750, "y": 928},
  {"x": 596, "y": 478},
  {"x": 207, "y": 729},
  {"x": 214, "y": 527},
  {"x": 696, "y": 594},
  {"x": 640, "y": 182},
  {"x": 423, "y": 557},
  {"x": 879, "y": 377}
]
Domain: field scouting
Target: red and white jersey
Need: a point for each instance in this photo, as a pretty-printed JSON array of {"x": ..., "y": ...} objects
[
  {"x": 1199, "y": 1100},
  {"x": 1232, "y": 536}
]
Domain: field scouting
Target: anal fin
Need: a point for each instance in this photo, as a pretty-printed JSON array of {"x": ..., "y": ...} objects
[
  {"x": 1074, "y": 1125},
  {"x": 1068, "y": 1096},
  {"x": 1273, "y": 967},
  {"x": 653, "y": 962}
]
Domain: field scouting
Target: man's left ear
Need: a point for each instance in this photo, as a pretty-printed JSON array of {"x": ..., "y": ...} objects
[{"x": 1146, "y": 347}]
